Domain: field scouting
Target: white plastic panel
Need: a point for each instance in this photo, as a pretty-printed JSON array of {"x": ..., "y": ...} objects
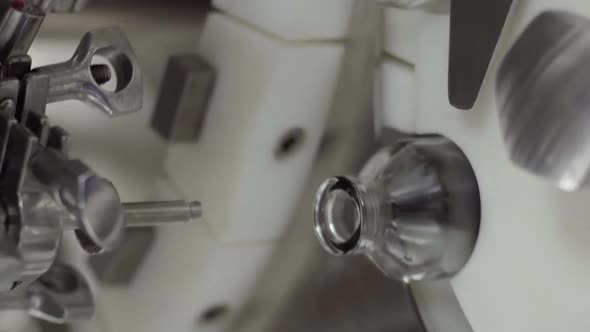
[
  {"x": 402, "y": 29},
  {"x": 396, "y": 95},
  {"x": 530, "y": 270},
  {"x": 293, "y": 20},
  {"x": 17, "y": 321},
  {"x": 177, "y": 286},
  {"x": 264, "y": 88}
]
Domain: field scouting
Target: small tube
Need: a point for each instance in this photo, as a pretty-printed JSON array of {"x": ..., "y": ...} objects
[{"x": 146, "y": 214}]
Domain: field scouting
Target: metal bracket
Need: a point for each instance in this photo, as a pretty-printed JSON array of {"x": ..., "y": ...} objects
[{"x": 73, "y": 79}]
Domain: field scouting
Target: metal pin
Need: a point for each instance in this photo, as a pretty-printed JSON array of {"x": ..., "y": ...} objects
[
  {"x": 145, "y": 214},
  {"x": 150, "y": 214}
]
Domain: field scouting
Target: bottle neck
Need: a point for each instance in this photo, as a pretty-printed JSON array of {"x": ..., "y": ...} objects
[{"x": 347, "y": 215}]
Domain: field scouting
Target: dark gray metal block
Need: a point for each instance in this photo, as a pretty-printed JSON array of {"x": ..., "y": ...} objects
[{"x": 183, "y": 99}]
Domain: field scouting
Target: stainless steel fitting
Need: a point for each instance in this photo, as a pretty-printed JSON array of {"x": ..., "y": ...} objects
[
  {"x": 74, "y": 80},
  {"x": 42, "y": 191},
  {"x": 59, "y": 296}
]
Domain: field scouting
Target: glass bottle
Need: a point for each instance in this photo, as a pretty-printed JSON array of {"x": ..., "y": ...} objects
[{"x": 414, "y": 210}]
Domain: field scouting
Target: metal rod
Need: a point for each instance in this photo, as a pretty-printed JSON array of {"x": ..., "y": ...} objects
[
  {"x": 149, "y": 214},
  {"x": 146, "y": 214}
]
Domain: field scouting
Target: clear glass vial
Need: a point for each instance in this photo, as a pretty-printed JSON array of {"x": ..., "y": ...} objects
[{"x": 414, "y": 210}]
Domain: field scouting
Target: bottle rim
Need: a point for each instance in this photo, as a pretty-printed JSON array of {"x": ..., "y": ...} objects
[{"x": 324, "y": 226}]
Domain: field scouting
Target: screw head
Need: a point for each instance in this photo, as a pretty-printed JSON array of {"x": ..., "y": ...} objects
[{"x": 95, "y": 203}]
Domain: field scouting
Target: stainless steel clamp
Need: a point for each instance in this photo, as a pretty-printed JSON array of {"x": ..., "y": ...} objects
[{"x": 42, "y": 191}]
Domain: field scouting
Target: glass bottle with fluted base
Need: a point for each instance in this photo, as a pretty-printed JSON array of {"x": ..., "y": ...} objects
[{"x": 414, "y": 210}]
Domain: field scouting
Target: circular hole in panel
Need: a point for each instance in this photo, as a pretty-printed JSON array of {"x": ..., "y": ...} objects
[
  {"x": 290, "y": 142},
  {"x": 213, "y": 314}
]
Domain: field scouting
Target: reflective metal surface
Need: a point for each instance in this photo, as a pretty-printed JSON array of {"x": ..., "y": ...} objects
[
  {"x": 61, "y": 295},
  {"x": 73, "y": 79},
  {"x": 414, "y": 210},
  {"x": 146, "y": 214},
  {"x": 42, "y": 190},
  {"x": 92, "y": 201},
  {"x": 543, "y": 99},
  {"x": 18, "y": 29},
  {"x": 475, "y": 30},
  {"x": 93, "y": 207}
]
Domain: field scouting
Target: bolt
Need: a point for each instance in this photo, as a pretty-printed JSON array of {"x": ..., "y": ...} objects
[{"x": 101, "y": 73}]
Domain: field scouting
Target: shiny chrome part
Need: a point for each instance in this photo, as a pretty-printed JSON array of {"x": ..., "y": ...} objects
[
  {"x": 92, "y": 201},
  {"x": 34, "y": 96},
  {"x": 42, "y": 190},
  {"x": 73, "y": 79},
  {"x": 475, "y": 29},
  {"x": 148, "y": 214},
  {"x": 93, "y": 206},
  {"x": 543, "y": 99},
  {"x": 61, "y": 295},
  {"x": 151, "y": 214},
  {"x": 18, "y": 29},
  {"x": 414, "y": 210},
  {"x": 33, "y": 218},
  {"x": 38, "y": 234},
  {"x": 45, "y": 193},
  {"x": 119, "y": 266}
]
